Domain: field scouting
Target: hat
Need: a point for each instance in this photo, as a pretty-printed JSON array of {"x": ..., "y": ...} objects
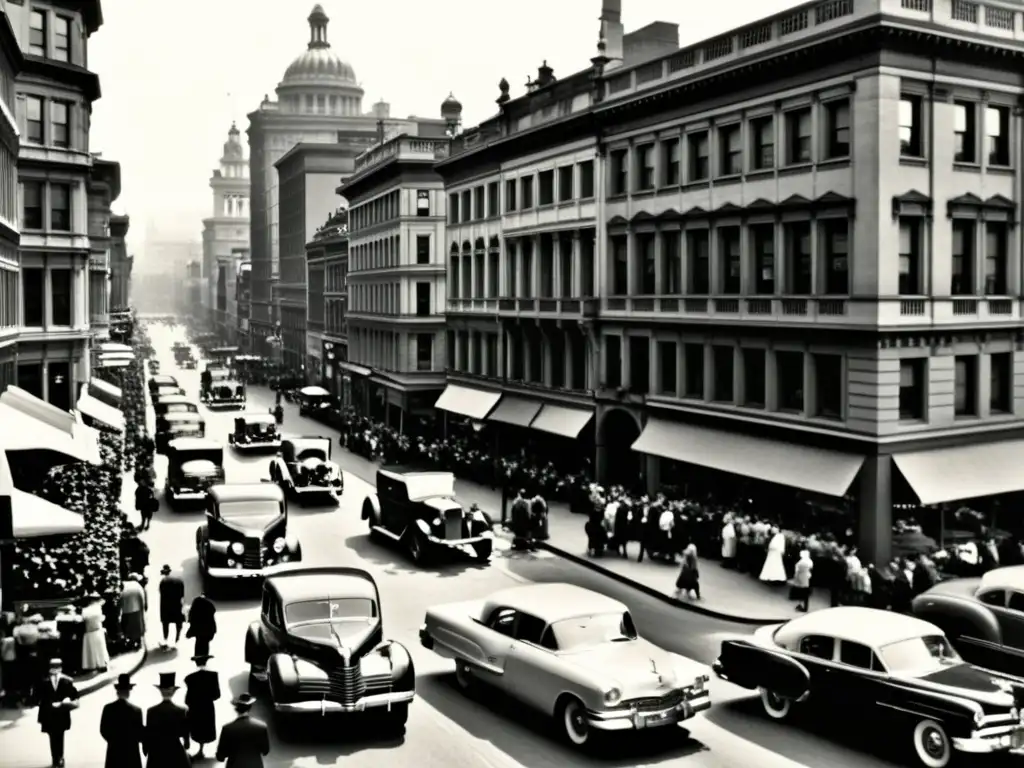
[
  {"x": 201, "y": 658},
  {"x": 167, "y": 682},
  {"x": 124, "y": 683},
  {"x": 166, "y": 569},
  {"x": 56, "y": 662},
  {"x": 243, "y": 701}
]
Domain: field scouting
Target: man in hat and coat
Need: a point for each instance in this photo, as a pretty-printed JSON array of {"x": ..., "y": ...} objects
[
  {"x": 172, "y": 604},
  {"x": 57, "y": 697},
  {"x": 122, "y": 728},
  {"x": 167, "y": 742},
  {"x": 202, "y": 689},
  {"x": 245, "y": 741},
  {"x": 202, "y": 623}
]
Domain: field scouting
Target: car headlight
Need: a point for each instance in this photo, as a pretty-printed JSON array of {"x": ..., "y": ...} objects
[
  {"x": 979, "y": 717},
  {"x": 279, "y": 544},
  {"x": 612, "y": 696},
  {"x": 436, "y": 521},
  {"x": 231, "y": 563},
  {"x": 238, "y": 548}
]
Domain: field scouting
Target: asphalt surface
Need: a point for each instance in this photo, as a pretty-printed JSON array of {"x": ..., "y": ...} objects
[{"x": 445, "y": 728}]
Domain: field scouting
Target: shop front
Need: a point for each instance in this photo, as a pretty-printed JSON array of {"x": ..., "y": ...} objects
[
  {"x": 51, "y": 371},
  {"x": 352, "y": 381}
]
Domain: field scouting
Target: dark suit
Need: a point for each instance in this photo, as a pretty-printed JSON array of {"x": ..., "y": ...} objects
[
  {"x": 244, "y": 743},
  {"x": 167, "y": 742},
  {"x": 202, "y": 688},
  {"x": 121, "y": 727},
  {"x": 56, "y": 721},
  {"x": 202, "y": 624}
]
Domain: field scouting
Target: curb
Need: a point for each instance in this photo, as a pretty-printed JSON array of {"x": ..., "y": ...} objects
[{"x": 94, "y": 684}]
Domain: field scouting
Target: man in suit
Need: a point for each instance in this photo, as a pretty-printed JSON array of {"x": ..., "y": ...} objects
[
  {"x": 202, "y": 623},
  {"x": 172, "y": 604},
  {"x": 122, "y": 728},
  {"x": 166, "y": 743},
  {"x": 57, "y": 697},
  {"x": 202, "y": 689},
  {"x": 245, "y": 741}
]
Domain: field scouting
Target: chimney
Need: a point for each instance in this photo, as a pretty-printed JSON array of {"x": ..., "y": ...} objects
[{"x": 612, "y": 32}]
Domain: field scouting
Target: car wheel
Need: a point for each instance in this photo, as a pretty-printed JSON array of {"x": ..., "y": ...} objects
[
  {"x": 775, "y": 706},
  {"x": 255, "y": 673},
  {"x": 483, "y": 550},
  {"x": 464, "y": 677},
  {"x": 572, "y": 719},
  {"x": 417, "y": 548},
  {"x": 932, "y": 745}
]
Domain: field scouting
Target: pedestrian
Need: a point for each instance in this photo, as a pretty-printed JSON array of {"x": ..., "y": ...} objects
[
  {"x": 728, "y": 542},
  {"x": 539, "y": 520},
  {"x": 172, "y": 605},
  {"x": 774, "y": 570},
  {"x": 801, "y": 591},
  {"x": 688, "y": 581},
  {"x": 134, "y": 604},
  {"x": 146, "y": 503},
  {"x": 122, "y": 728},
  {"x": 202, "y": 689},
  {"x": 94, "y": 643},
  {"x": 245, "y": 741},
  {"x": 202, "y": 623},
  {"x": 166, "y": 743},
  {"x": 520, "y": 514},
  {"x": 57, "y": 696}
]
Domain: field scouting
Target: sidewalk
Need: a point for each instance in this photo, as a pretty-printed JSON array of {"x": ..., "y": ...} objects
[{"x": 726, "y": 594}]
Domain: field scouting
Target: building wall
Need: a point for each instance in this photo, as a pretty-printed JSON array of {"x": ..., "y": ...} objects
[{"x": 10, "y": 218}]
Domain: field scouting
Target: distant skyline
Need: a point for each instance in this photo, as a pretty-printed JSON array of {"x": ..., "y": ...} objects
[{"x": 173, "y": 83}]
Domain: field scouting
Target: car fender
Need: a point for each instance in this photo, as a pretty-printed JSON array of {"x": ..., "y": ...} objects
[
  {"x": 751, "y": 666},
  {"x": 371, "y": 507},
  {"x": 281, "y": 675},
  {"x": 955, "y": 616},
  {"x": 956, "y": 713},
  {"x": 201, "y": 533},
  {"x": 255, "y": 653},
  {"x": 403, "y": 670},
  {"x": 422, "y": 526}
]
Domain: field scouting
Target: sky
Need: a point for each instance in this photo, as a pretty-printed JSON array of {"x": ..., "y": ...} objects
[{"x": 173, "y": 82}]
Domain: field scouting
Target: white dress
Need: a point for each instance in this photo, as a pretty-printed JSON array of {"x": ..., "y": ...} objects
[
  {"x": 728, "y": 541},
  {"x": 94, "y": 644},
  {"x": 774, "y": 570}
]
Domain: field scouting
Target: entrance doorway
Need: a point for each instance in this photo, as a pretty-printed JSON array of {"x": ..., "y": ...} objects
[{"x": 622, "y": 465}]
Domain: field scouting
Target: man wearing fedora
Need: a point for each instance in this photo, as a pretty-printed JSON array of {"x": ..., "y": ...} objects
[
  {"x": 172, "y": 604},
  {"x": 202, "y": 623},
  {"x": 202, "y": 689},
  {"x": 245, "y": 741},
  {"x": 166, "y": 743},
  {"x": 122, "y": 728},
  {"x": 57, "y": 697}
]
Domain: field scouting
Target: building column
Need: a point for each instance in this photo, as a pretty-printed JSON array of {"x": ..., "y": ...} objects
[
  {"x": 546, "y": 359},
  {"x": 659, "y": 267},
  {"x": 577, "y": 265},
  {"x": 631, "y": 267},
  {"x": 535, "y": 273},
  {"x": 474, "y": 364},
  {"x": 874, "y": 510},
  {"x": 556, "y": 266}
]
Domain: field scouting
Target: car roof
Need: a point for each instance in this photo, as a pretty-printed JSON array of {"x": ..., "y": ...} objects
[
  {"x": 226, "y": 492},
  {"x": 174, "y": 400},
  {"x": 163, "y": 379},
  {"x": 295, "y": 583},
  {"x": 1010, "y": 577},
  {"x": 555, "y": 602},
  {"x": 314, "y": 391},
  {"x": 300, "y": 439},
  {"x": 181, "y": 416},
  {"x": 257, "y": 418},
  {"x": 868, "y": 626},
  {"x": 402, "y": 472},
  {"x": 194, "y": 444}
]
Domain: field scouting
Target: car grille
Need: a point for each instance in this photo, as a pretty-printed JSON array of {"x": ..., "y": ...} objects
[
  {"x": 453, "y": 524},
  {"x": 253, "y": 555},
  {"x": 654, "y": 703},
  {"x": 343, "y": 684}
]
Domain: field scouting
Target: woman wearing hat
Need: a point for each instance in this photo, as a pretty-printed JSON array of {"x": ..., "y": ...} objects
[{"x": 94, "y": 645}]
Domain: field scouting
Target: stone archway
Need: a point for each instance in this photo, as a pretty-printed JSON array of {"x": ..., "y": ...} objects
[{"x": 621, "y": 465}]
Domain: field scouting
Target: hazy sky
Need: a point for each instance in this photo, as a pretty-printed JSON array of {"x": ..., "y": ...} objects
[{"x": 166, "y": 77}]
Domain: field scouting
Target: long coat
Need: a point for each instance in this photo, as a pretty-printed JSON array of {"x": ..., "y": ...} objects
[
  {"x": 202, "y": 619},
  {"x": 244, "y": 743},
  {"x": 122, "y": 728},
  {"x": 202, "y": 688},
  {"x": 55, "y": 719},
  {"x": 167, "y": 739}
]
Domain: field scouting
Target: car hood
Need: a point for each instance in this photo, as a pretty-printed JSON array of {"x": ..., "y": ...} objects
[
  {"x": 199, "y": 468},
  {"x": 637, "y": 668},
  {"x": 441, "y": 503},
  {"x": 252, "y": 526},
  {"x": 967, "y": 682},
  {"x": 330, "y": 641}
]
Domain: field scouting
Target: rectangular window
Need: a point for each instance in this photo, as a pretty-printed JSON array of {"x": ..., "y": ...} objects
[
  {"x": 724, "y": 369},
  {"x": 422, "y": 249},
  {"x": 837, "y": 127},
  {"x": 697, "y": 144},
  {"x": 526, "y": 193},
  {"x": 828, "y": 386},
  {"x": 424, "y": 351},
  {"x": 34, "y": 119},
  {"x": 422, "y": 202},
  {"x": 693, "y": 361},
  {"x": 645, "y": 167},
  {"x": 762, "y": 143},
  {"x": 479, "y": 211},
  {"x": 1001, "y": 383},
  {"x": 670, "y": 161},
  {"x": 789, "y": 377},
  {"x": 910, "y": 116},
  {"x": 996, "y": 250},
  {"x": 32, "y": 205},
  {"x": 835, "y": 236},
  {"x": 60, "y": 134},
  {"x": 963, "y": 258},
  {"x": 620, "y": 265},
  {"x": 730, "y": 149},
  {"x": 965, "y": 132},
  {"x": 798, "y": 136},
  {"x": 33, "y": 287},
  {"x": 965, "y": 397},
  {"x": 639, "y": 364},
  {"x": 465, "y": 207},
  {"x": 671, "y": 266},
  {"x": 453, "y": 208},
  {"x": 565, "y": 267},
  {"x": 613, "y": 361},
  {"x": 997, "y": 131},
  {"x": 910, "y": 257},
  {"x": 647, "y": 263},
  {"x": 729, "y": 258},
  {"x": 510, "y": 196},
  {"x": 62, "y": 38},
  {"x": 618, "y": 166},
  {"x": 565, "y": 191},
  {"x": 546, "y": 188},
  {"x": 667, "y": 379},
  {"x": 763, "y": 239},
  {"x": 37, "y": 33},
  {"x": 492, "y": 199},
  {"x": 586, "y": 179},
  {"x": 60, "y": 295},
  {"x": 60, "y": 207},
  {"x": 798, "y": 258},
  {"x": 912, "y": 388},
  {"x": 753, "y": 378},
  {"x": 698, "y": 262}
]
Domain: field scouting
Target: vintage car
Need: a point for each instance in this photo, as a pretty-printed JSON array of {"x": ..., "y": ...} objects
[
  {"x": 982, "y": 617},
  {"x": 419, "y": 509},
  {"x": 569, "y": 653},
  {"x": 160, "y": 380},
  {"x": 246, "y": 531},
  {"x": 320, "y": 648},
  {"x": 304, "y": 470},
  {"x": 313, "y": 400},
  {"x": 223, "y": 391},
  {"x": 255, "y": 431},
  {"x": 173, "y": 425},
  {"x": 163, "y": 404},
  {"x": 193, "y": 465},
  {"x": 189, "y": 363},
  {"x": 899, "y": 674}
]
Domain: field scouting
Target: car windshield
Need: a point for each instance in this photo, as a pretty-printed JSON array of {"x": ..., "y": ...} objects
[
  {"x": 596, "y": 629},
  {"x": 429, "y": 485},
  {"x": 255, "y": 512},
  {"x": 919, "y": 656},
  {"x": 335, "y": 609}
]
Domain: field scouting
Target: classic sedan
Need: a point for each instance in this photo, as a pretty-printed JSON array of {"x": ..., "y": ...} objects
[
  {"x": 896, "y": 673},
  {"x": 567, "y": 652},
  {"x": 304, "y": 469}
]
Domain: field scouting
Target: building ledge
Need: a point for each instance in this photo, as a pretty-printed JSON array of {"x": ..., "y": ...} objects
[{"x": 63, "y": 241}]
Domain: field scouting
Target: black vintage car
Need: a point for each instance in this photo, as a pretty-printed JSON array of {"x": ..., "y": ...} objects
[
  {"x": 193, "y": 465},
  {"x": 895, "y": 674},
  {"x": 222, "y": 390},
  {"x": 173, "y": 425},
  {"x": 314, "y": 401},
  {"x": 304, "y": 469},
  {"x": 246, "y": 531},
  {"x": 319, "y": 645},
  {"x": 419, "y": 509},
  {"x": 163, "y": 404},
  {"x": 255, "y": 432},
  {"x": 160, "y": 380}
]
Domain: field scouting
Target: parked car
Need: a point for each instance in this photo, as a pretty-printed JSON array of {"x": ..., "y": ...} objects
[
  {"x": 193, "y": 465},
  {"x": 419, "y": 509},
  {"x": 255, "y": 431},
  {"x": 319, "y": 645},
  {"x": 569, "y": 653},
  {"x": 900, "y": 676},
  {"x": 304, "y": 469},
  {"x": 313, "y": 400},
  {"x": 163, "y": 404},
  {"x": 174, "y": 425},
  {"x": 160, "y": 380},
  {"x": 983, "y": 617},
  {"x": 246, "y": 531}
]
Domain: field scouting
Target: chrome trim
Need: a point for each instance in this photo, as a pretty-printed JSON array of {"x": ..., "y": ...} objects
[
  {"x": 323, "y": 706},
  {"x": 625, "y": 720},
  {"x": 234, "y": 573},
  {"x": 460, "y": 542}
]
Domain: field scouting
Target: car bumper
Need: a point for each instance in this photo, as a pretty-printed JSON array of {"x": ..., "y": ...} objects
[
  {"x": 980, "y": 744},
  {"x": 260, "y": 446},
  {"x": 460, "y": 543},
  {"x": 186, "y": 495},
  {"x": 319, "y": 490},
  {"x": 214, "y": 405},
  {"x": 372, "y": 703},
  {"x": 236, "y": 574},
  {"x": 632, "y": 720}
]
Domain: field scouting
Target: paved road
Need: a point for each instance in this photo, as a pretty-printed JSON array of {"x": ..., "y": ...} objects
[{"x": 445, "y": 730}]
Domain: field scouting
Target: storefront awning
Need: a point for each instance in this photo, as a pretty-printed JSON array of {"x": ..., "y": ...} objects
[
  {"x": 798, "y": 466},
  {"x": 359, "y": 370},
  {"x": 111, "y": 347},
  {"x": 106, "y": 392},
  {"x": 106, "y": 362},
  {"x": 28, "y": 423},
  {"x": 98, "y": 411},
  {"x": 517, "y": 411},
  {"x": 561, "y": 420},
  {"x": 33, "y": 517},
  {"x": 467, "y": 401},
  {"x": 964, "y": 471}
]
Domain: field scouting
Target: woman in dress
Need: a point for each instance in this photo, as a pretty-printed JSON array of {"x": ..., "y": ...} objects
[
  {"x": 688, "y": 581},
  {"x": 774, "y": 570},
  {"x": 802, "y": 581},
  {"x": 94, "y": 644}
]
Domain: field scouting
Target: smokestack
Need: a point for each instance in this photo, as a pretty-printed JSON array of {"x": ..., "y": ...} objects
[{"x": 612, "y": 32}]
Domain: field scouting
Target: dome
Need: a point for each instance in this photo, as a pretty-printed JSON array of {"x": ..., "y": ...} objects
[
  {"x": 319, "y": 65},
  {"x": 451, "y": 106}
]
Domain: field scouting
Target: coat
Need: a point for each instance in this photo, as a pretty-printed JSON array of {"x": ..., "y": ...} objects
[
  {"x": 172, "y": 595},
  {"x": 202, "y": 619},
  {"x": 122, "y": 728},
  {"x": 167, "y": 740},
  {"x": 802, "y": 573},
  {"x": 55, "y": 719},
  {"x": 202, "y": 689},
  {"x": 244, "y": 742}
]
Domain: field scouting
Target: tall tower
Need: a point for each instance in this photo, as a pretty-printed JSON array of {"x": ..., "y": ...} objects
[{"x": 230, "y": 182}]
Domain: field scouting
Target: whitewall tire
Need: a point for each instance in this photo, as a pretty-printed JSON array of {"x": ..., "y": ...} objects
[
  {"x": 572, "y": 719},
  {"x": 775, "y": 706},
  {"x": 932, "y": 745}
]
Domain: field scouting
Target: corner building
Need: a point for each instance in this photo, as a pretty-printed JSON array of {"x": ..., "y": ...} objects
[
  {"x": 807, "y": 261},
  {"x": 10, "y": 283},
  {"x": 326, "y": 303}
]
